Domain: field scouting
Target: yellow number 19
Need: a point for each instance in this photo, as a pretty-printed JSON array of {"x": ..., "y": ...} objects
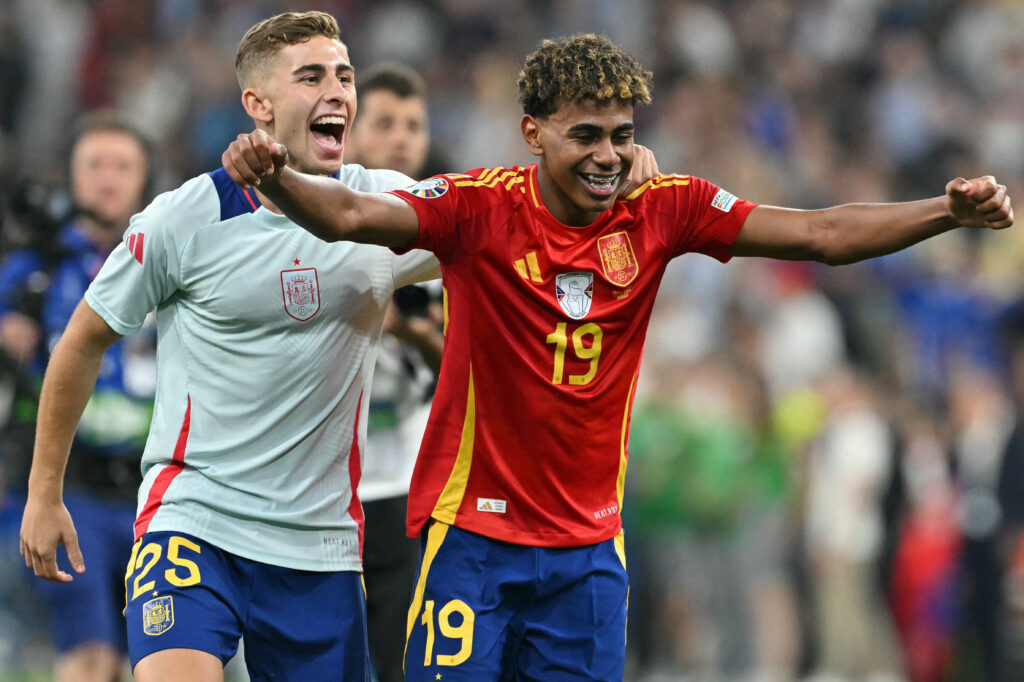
[
  {"x": 560, "y": 338},
  {"x": 463, "y": 632}
]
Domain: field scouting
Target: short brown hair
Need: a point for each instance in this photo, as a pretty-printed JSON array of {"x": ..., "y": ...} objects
[
  {"x": 111, "y": 121},
  {"x": 579, "y": 67},
  {"x": 395, "y": 78},
  {"x": 262, "y": 41}
]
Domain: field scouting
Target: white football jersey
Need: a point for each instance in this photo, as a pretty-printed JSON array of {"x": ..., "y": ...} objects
[{"x": 267, "y": 341}]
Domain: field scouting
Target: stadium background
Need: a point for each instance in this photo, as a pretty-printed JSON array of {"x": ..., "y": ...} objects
[{"x": 808, "y": 441}]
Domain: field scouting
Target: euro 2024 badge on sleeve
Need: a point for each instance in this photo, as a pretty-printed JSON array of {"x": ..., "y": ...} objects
[
  {"x": 301, "y": 292},
  {"x": 158, "y": 615},
  {"x": 431, "y": 188},
  {"x": 575, "y": 292}
]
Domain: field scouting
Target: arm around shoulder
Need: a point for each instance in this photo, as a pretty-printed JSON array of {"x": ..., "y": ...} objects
[{"x": 325, "y": 208}]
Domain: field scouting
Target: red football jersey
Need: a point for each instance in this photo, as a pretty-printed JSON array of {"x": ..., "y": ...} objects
[{"x": 544, "y": 329}]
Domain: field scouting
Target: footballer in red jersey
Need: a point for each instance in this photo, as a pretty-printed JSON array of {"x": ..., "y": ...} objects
[
  {"x": 526, "y": 441},
  {"x": 549, "y": 278}
]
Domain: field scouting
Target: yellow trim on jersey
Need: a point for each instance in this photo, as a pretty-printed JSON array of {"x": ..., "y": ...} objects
[
  {"x": 657, "y": 182},
  {"x": 435, "y": 536},
  {"x": 489, "y": 175},
  {"x": 444, "y": 305},
  {"x": 620, "y": 483},
  {"x": 531, "y": 261},
  {"x": 491, "y": 178},
  {"x": 520, "y": 266},
  {"x": 533, "y": 188},
  {"x": 450, "y": 499},
  {"x": 513, "y": 181}
]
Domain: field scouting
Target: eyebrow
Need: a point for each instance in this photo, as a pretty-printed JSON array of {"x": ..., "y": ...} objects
[
  {"x": 594, "y": 129},
  {"x": 321, "y": 70}
]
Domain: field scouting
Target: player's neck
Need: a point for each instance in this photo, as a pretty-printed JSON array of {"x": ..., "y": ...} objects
[
  {"x": 101, "y": 234},
  {"x": 560, "y": 205}
]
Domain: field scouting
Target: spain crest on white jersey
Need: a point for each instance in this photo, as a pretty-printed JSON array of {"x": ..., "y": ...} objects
[
  {"x": 301, "y": 291},
  {"x": 575, "y": 291}
]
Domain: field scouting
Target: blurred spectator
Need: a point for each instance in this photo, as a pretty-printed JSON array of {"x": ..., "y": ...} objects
[
  {"x": 983, "y": 420},
  {"x": 803, "y": 103},
  {"x": 710, "y": 490},
  {"x": 849, "y": 469},
  {"x": 109, "y": 166},
  {"x": 392, "y": 131}
]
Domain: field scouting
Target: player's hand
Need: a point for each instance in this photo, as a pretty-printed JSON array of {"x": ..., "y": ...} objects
[
  {"x": 645, "y": 167},
  {"x": 254, "y": 158},
  {"x": 981, "y": 202},
  {"x": 44, "y": 526}
]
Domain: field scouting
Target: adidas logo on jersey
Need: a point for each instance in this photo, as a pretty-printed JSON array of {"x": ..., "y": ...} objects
[{"x": 486, "y": 504}]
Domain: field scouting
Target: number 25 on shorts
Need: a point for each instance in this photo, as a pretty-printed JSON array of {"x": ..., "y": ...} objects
[
  {"x": 146, "y": 556},
  {"x": 463, "y": 631}
]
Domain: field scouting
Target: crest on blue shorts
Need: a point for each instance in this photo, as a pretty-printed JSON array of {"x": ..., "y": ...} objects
[
  {"x": 430, "y": 188},
  {"x": 575, "y": 291},
  {"x": 158, "y": 615}
]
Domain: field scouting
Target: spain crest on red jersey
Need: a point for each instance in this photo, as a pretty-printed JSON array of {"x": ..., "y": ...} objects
[
  {"x": 617, "y": 258},
  {"x": 301, "y": 291}
]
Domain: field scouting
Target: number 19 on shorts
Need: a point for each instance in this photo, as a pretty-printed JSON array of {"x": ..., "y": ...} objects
[{"x": 455, "y": 621}]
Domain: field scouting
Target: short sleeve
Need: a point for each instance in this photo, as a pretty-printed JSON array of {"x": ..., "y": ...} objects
[
  {"x": 144, "y": 270},
  {"x": 707, "y": 219},
  {"x": 438, "y": 205}
]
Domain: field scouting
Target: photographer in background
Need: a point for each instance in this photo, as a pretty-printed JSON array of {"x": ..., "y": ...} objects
[
  {"x": 391, "y": 132},
  {"x": 108, "y": 172}
]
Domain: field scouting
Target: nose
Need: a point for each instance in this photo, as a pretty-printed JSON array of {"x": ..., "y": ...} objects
[
  {"x": 334, "y": 90},
  {"x": 604, "y": 153}
]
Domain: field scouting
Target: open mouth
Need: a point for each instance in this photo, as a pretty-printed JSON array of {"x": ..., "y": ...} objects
[
  {"x": 328, "y": 131},
  {"x": 601, "y": 184}
]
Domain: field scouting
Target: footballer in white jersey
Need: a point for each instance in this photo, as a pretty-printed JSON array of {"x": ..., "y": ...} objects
[{"x": 267, "y": 341}]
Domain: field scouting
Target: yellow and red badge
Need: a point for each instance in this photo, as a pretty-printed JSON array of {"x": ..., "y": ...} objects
[{"x": 617, "y": 258}]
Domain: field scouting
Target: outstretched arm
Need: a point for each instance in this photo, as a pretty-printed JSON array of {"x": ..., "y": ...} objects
[
  {"x": 69, "y": 381},
  {"x": 854, "y": 232},
  {"x": 328, "y": 209}
]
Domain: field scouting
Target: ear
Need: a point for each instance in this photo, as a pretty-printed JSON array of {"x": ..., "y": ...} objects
[
  {"x": 531, "y": 133},
  {"x": 258, "y": 105}
]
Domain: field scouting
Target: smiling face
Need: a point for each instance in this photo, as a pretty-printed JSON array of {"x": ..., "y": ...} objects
[
  {"x": 306, "y": 98},
  {"x": 586, "y": 151}
]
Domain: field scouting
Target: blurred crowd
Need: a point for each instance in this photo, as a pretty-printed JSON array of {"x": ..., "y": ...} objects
[{"x": 827, "y": 464}]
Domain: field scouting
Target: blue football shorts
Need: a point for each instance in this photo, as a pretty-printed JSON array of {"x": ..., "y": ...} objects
[
  {"x": 182, "y": 592},
  {"x": 488, "y": 610},
  {"x": 88, "y": 609}
]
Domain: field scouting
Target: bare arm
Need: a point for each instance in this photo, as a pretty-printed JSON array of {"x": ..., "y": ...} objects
[
  {"x": 327, "y": 209},
  {"x": 853, "y": 232},
  {"x": 69, "y": 381}
]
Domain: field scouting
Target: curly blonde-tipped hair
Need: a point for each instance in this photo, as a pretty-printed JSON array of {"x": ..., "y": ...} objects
[
  {"x": 261, "y": 42},
  {"x": 579, "y": 67}
]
